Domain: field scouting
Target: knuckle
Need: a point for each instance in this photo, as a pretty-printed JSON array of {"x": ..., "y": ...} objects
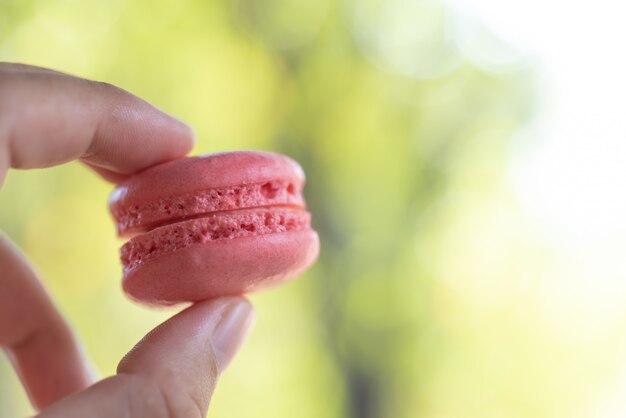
[
  {"x": 180, "y": 404},
  {"x": 214, "y": 368},
  {"x": 108, "y": 89},
  {"x": 162, "y": 398}
]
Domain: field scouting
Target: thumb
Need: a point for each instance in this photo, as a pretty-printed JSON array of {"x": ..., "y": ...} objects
[{"x": 172, "y": 372}]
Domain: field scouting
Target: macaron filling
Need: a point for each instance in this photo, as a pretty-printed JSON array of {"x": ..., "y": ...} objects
[
  {"x": 212, "y": 227},
  {"x": 144, "y": 216}
]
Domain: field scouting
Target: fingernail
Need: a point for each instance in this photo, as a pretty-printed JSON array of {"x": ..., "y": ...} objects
[{"x": 232, "y": 330}]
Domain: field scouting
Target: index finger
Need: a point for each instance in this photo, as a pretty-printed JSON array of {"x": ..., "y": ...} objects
[{"x": 48, "y": 118}]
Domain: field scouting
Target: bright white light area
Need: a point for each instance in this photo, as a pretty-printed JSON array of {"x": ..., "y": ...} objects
[{"x": 568, "y": 167}]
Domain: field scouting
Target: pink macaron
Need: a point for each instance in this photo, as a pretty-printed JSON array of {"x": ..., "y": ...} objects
[{"x": 213, "y": 225}]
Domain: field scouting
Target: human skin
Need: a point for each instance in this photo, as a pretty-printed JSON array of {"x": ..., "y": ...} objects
[{"x": 49, "y": 118}]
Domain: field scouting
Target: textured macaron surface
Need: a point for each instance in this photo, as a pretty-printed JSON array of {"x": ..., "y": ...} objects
[
  {"x": 144, "y": 216},
  {"x": 219, "y": 226},
  {"x": 192, "y": 186}
]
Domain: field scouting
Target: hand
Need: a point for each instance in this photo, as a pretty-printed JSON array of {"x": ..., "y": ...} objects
[{"x": 48, "y": 118}]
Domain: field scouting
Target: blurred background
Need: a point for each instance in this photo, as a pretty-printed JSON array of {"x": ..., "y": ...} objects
[{"x": 466, "y": 173}]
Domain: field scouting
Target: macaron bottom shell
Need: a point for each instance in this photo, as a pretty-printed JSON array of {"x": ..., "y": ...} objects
[{"x": 222, "y": 267}]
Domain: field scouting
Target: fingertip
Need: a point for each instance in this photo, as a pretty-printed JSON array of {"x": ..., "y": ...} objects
[
  {"x": 134, "y": 135},
  {"x": 56, "y": 118},
  {"x": 216, "y": 328},
  {"x": 182, "y": 133},
  {"x": 167, "y": 136},
  {"x": 189, "y": 135}
]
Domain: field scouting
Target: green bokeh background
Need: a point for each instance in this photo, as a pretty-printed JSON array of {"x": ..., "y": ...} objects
[{"x": 416, "y": 307}]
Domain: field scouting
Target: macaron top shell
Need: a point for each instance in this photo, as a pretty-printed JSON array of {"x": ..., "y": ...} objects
[
  {"x": 192, "y": 186},
  {"x": 203, "y": 172}
]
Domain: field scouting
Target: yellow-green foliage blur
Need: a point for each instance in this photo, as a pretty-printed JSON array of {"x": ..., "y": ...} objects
[{"x": 414, "y": 308}]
